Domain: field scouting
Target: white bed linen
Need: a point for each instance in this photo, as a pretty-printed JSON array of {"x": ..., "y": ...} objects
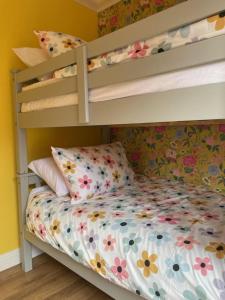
[{"x": 202, "y": 75}]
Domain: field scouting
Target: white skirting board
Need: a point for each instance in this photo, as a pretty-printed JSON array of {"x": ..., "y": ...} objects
[{"x": 12, "y": 258}]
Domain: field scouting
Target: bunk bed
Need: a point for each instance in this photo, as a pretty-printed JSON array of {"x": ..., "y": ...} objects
[{"x": 203, "y": 102}]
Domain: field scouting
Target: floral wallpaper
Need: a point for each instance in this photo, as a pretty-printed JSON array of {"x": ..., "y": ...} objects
[
  {"x": 194, "y": 154},
  {"x": 190, "y": 153},
  {"x": 126, "y": 12}
]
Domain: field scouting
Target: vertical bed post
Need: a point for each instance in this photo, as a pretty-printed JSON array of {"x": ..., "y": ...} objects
[
  {"x": 82, "y": 84},
  {"x": 22, "y": 181}
]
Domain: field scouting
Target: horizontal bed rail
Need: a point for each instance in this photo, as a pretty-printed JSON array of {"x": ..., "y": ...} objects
[
  {"x": 48, "y": 66},
  {"x": 186, "y": 104},
  {"x": 206, "y": 51},
  {"x": 62, "y": 87}
]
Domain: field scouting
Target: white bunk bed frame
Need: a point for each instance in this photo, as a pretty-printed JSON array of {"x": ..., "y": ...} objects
[{"x": 187, "y": 104}]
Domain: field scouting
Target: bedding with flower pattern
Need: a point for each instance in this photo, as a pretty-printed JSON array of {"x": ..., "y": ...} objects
[
  {"x": 90, "y": 171},
  {"x": 56, "y": 43},
  {"x": 160, "y": 239},
  {"x": 204, "y": 29}
]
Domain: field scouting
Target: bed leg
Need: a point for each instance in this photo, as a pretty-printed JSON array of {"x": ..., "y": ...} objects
[
  {"x": 26, "y": 255},
  {"x": 25, "y": 246},
  {"x": 22, "y": 180}
]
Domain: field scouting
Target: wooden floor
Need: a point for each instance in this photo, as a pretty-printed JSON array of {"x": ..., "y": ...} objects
[{"x": 48, "y": 280}]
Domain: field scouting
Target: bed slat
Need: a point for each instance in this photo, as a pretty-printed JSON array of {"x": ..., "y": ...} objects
[{"x": 63, "y": 87}]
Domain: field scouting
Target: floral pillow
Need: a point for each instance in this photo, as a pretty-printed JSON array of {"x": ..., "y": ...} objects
[
  {"x": 91, "y": 171},
  {"x": 56, "y": 43}
]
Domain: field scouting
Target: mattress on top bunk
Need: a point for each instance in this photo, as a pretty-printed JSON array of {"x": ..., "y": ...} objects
[
  {"x": 207, "y": 74},
  {"x": 156, "y": 236}
]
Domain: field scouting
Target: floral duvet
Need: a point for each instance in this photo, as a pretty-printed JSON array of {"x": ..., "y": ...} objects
[
  {"x": 160, "y": 239},
  {"x": 204, "y": 29}
]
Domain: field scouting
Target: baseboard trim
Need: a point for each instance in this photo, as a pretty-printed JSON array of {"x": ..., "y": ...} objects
[{"x": 12, "y": 258}]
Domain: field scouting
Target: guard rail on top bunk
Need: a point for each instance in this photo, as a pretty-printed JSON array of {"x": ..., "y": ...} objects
[{"x": 195, "y": 103}]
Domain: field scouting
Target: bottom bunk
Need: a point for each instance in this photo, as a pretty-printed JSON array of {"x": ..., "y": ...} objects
[{"x": 158, "y": 238}]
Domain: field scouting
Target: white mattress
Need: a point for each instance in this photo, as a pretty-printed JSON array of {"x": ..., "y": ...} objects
[{"x": 207, "y": 74}]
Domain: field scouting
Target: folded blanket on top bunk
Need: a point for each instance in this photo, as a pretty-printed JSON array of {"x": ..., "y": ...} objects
[{"x": 159, "y": 238}]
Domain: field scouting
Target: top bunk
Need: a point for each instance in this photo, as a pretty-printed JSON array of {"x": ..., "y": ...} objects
[{"x": 203, "y": 101}]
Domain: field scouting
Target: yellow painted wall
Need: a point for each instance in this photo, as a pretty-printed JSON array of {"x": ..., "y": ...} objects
[{"x": 18, "y": 19}]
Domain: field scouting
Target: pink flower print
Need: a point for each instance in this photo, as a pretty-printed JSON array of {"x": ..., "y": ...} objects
[
  {"x": 135, "y": 156},
  {"x": 189, "y": 161},
  {"x": 95, "y": 159},
  {"x": 222, "y": 128},
  {"x": 85, "y": 182},
  {"x": 79, "y": 211},
  {"x": 76, "y": 195},
  {"x": 43, "y": 38},
  {"x": 176, "y": 172},
  {"x": 203, "y": 265},
  {"x": 159, "y": 2},
  {"x": 109, "y": 161},
  {"x": 209, "y": 216},
  {"x": 113, "y": 21},
  {"x": 107, "y": 184},
  {"x": 114, "y": 130},
  {"x": 84, "y": 150},
  {"x": 119, "y": 269},
  {"x": 109, "y": 243},
  {"x": 118, "y": 214},
  {"x": 186, "y": 242},
  {"x": 168, "y": 219},
  {"x": 42, "y": 230},
  {"x": 210, "y": 141},
  {"x": 82, "y": 227},
  {"x": 138, "y": 50},
  {"x": 160, "y": 129}
]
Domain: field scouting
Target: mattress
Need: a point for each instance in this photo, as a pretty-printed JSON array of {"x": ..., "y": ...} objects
[
  {"x": 203, "y": 75},
  {"x": 158, "y": 237}
]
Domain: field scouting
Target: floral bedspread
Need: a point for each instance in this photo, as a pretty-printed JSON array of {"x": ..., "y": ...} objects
[
  {"x": 204, "y": 29},
  {"x": 159, "y": 238}
]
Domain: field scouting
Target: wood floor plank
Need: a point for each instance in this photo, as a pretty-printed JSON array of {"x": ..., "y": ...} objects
[{"x": 49, "y": 280}]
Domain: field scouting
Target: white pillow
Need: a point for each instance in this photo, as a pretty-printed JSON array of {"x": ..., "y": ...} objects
[
  {"x": 49, "y": 172},
  {"x": 32, "y": 57}
]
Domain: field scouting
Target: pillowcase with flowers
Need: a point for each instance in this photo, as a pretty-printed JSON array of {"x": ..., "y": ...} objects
[
  {"x": 91, "y": 171},
  {"x": 56, "y": 43}
]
